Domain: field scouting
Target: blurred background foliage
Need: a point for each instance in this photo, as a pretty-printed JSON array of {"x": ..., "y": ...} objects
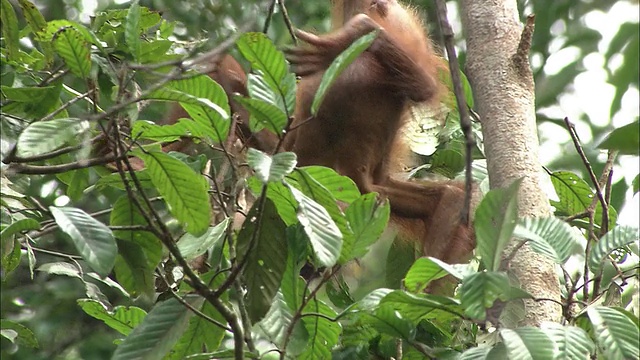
[{"x": 585, "y": 62}]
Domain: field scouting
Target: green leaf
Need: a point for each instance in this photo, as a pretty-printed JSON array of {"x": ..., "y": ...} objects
[
  {"x": 156, "y": 51},
  {"x": 616, "y": 334},
  {"x": 34, "y": 102},
  {"x": 11, "y": 256},
  {"x": 342, "y": 188},
  {"x": 271, "y": 168},
  {"x": 18, "y": 227},
  {"x": 55, "y": 25},
  {"x": 528, "y": 343},
  {"x": 417, "y": 307},
  {"x": 399, "y": 259},
  {"x": 166, "y": 28},
  {"x": 142, "y": 129},
  {"x": 338, "y": 292},
  {"x": 115, "y": 180},
  {"x": 38, "y": 24},
  {"x": 617, "y": 238},
  {"x": 132, "y": 269},
  {"x": 107, "y": 281},
  {"x": 26, "y": 94},
  {"x": 201, "y": 333},
  {"x": 132, "y": 30},
  {"x": 478, "y": 353},
  {"x": 61, "y": 268},
  {"x": 625, "y": 139},
  {"x": 123, "y": 319},
  {"x": 267, "y": 115},
  {"x": 184, "y": 191},
  {"x": 78, "y": 184},
  {"x": 260, "y": 51},
  {"x": 636, "y": 184},
  {"x": 158, "y": 332},
  {"x": 283, "y": 97},
  {"x": 93, "y": 239},
  {"x": 445, "y": 77},
  {"x": 622, "y": 37},
  {"x": 324, "y": 234},
  {"x": 316, "y": 192},
  {"x": 572, "y": 342},
  {"x": 125, "y": 213},
  {"x": 33, "y": 16},
  {"x": 45, "y": 136},
  {"x": 72, "y": 47},
  {"x": 23, "y": 335},
  {"x": 276, "y": 324},
  {"x": 421, "y": 273},
  {"x": 495, "y": 220},
  {"x": 480, "y": 290},
  {"x": 549, "y": 236},
  {"x": 468, "y": 91},
  {"x": 370, "y": 301},
  {"x": 292, "y": 283},
  {"x": 193, "y": 246},
  {"x": 281, "y": 197},
  {"x": 10, "y": 31},
  {"x": 262, "y": 247},
  {"x": 203, "y": 99},
  {"x": 323, "y": 333},
  {"x": 368, "y": 218},
  {"x": 385, "y": 319},
  {"x": 447, "y": 162},
  {"x": 575, "y": 196},
  {"x": 339, "y": 64}
]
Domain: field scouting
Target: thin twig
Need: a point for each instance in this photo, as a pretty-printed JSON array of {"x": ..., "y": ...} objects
[
  {"x": 131, "y": 227},
  {"x": 53, "y": 253},
  {"x": 189, "y": 306},
  {"x": 463, "y": 109},
  {"x": 57, "y": 169},
  {"x": 267, "y": 21},
  {"x": 67, "y": 104},
  {"x": 585, "y": 160},
  {"x": 287, "y": 21},
  {"x": 50, "y": 155},
  {"x": 605, "y": 181}
]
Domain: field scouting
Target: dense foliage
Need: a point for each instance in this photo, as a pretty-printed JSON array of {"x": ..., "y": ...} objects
[{"x": 103, "y": 257}]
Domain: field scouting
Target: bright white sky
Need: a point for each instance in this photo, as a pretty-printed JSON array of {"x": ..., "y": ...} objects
[{"x": 590, "y": 94}]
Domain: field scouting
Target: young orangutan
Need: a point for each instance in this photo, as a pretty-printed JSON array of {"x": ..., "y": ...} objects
[{"x": 358, "y": 124}]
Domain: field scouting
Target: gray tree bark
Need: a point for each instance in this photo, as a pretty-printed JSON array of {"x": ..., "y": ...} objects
[{"x": 502, "y": 82}]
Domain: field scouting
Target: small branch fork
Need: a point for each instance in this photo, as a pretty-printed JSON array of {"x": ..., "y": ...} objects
[{"x": 601, "y": 197}]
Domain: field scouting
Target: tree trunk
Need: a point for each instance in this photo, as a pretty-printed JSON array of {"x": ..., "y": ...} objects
[{"x": 499, "y": 72}]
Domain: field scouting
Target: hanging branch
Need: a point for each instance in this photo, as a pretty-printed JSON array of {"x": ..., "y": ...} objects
[
  {"x": 463, "y": 109},
  {"x": 285, "y": 15}
]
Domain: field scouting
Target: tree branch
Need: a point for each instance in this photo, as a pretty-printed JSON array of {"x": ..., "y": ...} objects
[{"x": 463, "y": 108}]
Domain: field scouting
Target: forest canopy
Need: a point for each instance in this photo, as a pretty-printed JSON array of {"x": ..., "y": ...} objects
[{"x": 138, "y": 222}]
